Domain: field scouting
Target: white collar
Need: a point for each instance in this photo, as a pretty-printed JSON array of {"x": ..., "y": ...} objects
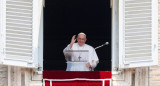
[{"x": 81, "y": 46}]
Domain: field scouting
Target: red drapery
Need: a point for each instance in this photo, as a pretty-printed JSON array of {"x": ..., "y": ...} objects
[{"x": 77, "y": 74}]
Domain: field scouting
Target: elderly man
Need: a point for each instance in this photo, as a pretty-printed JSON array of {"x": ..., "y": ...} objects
[{"x": 80, "y": 56}]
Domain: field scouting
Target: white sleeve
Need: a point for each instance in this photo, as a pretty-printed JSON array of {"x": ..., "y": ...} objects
[
  {"x": 94, "y": 58},
  {"x": 68, "y": 52}
]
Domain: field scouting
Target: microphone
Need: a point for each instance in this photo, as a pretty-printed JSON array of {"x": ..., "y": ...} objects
[{"x": 107, "y": 43}]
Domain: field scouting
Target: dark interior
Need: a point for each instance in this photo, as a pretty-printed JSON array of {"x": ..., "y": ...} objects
[{"x": 65, "y": 18}]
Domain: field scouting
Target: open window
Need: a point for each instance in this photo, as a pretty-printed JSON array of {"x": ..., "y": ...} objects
[
  {"x": 138, "y": 33},
  {"x": 65, "y": 18},
  {"x": 19, "y": 32}
]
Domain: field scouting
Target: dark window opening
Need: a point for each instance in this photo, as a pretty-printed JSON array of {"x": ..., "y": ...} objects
[{"x": 65, "y": 18}]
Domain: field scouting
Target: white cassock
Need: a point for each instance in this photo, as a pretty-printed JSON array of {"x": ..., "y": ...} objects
[{"x": 78, "y": 56}]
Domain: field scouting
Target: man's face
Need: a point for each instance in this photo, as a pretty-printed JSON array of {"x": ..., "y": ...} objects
[{"x": 81, "y": 39}]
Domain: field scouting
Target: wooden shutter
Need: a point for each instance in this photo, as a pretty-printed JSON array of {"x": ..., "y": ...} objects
[
  {"x": 19, "y": 32},
  {"x": 138, "y": 33}
]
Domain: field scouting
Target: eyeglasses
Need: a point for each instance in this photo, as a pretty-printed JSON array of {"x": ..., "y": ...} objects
[{"x": 83, "y": 39}]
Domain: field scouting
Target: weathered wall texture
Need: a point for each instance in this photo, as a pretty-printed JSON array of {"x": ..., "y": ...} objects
[
  {"x": 131, "y": 77},
  {"x": 23, "y": 77},
  {"x": 3, "y": 75}
]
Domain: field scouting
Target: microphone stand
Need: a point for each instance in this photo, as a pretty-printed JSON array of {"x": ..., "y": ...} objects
[{"x": 107, "y": 43}]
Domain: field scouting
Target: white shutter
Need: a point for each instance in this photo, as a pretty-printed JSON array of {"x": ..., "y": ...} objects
[
  {"x": 19, "y": 32},
  {"x": 138, "y": 33}
]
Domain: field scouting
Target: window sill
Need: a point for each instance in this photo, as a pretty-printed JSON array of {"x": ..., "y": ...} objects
[{"x": 116, "y": 72}]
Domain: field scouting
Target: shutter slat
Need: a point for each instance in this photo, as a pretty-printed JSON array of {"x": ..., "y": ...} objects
[
  {"x": 135, "y": 29},
  {"x": 20, "y": 34},
  {"x": 12, "y": 30},
  {"x": 138, "y": 22},
  {"x": 137, "y": 26},
  {"x": 18, "y": 20},
  {"x": 18, "y": 43},
  {"x": 130, "y": 4},
  {"x": 19, "y": 30},
  {"x": 137, "y": 47},
  {"x": 136, "y": 55},
  {"x": 137, "y": 33},
  {"x": 19, "y": 17},
  {"x": 140, "y": 18},
  {"x": 16, "y": 2},
  {"x": 19, "y": 14},
  {"x": 138, "y": 41},
  {"x": 17, "y": 48},
  {"x": 18, "y": 57},
  {"x": 134, "y": 42},
  {"x": 137, "y": 1},
  {"x": 138, "y": 36},
  {"x": 138, "y": 51},
  {"x": 19, "y": 6},
  {"x": 13, "y": 12},
  {"x": 140, "y": 8},
  {"x": 11, "y": 16},
  {"x": 15, "y": 27},
  {"x": 19, "y": 38},
  {"x": 135, "y": 59},
  {"x": 19, "y": 10},
  {"x": 137, "y": 10},
  {"x": 18, "y": 53},
  {"x": 18, "y": 25},
  {"x": 137, "y": 15}
]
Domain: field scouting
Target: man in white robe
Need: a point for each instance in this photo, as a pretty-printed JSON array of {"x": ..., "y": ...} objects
[{"x": 80, "y": 56}]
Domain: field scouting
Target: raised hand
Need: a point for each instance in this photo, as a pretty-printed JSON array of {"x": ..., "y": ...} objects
[{"x": 73, "y": 40}]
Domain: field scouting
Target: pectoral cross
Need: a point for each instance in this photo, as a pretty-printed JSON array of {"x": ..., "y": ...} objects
[{"x": 79, "y": 58}]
